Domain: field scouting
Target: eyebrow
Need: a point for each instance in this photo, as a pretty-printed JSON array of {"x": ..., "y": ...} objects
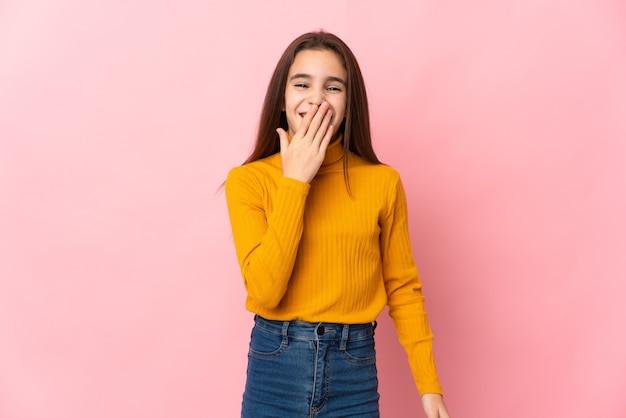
[{"x": 308, "y": 76}]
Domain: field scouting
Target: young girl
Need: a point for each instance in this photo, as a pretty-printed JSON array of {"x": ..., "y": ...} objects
[{"x": 321, "y": 235}]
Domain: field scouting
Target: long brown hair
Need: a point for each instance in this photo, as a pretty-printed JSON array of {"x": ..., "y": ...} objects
[{"x": 356, "y": 125}]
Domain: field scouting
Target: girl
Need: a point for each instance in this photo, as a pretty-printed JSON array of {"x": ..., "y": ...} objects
[{"x": 321, "y": 235}]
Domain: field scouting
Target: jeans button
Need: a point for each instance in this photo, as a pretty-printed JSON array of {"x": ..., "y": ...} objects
[{"x": 320, "y": 330}]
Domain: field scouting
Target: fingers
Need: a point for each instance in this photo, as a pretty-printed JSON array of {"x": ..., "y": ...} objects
[
  {"x": 322, "y": 136},
  {"x": 315, "y": 123},
  {"x": 323, "y": 129},
  {"x": 306, "y": 121},
  {"x": 319, "y": 123},
  {"x": 326, "y": 139}
]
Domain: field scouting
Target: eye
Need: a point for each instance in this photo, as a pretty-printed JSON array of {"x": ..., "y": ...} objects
[
  {"x": 334, "y": 89},
  {"x": 301, "y": 85}
]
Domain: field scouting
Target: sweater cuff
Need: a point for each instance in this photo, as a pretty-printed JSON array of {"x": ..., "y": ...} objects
[{"x": 295, "y": 185}]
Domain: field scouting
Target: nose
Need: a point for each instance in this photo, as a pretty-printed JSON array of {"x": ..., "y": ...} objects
[{"x": 316, "y": 98}]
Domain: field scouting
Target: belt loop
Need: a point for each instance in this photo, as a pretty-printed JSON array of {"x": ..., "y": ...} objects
[
  {"x": 285, "y": 341},
  {"x": 344, "y": 337},
  {"x": 374, "y": 325}
]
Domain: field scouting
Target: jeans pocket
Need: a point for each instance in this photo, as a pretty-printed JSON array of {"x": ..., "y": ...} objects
[
  {"x": 264, "y": 344},
  {"x": 361, "y": 351}
]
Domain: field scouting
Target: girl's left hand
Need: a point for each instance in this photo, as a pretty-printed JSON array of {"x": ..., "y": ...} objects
[{"x": 434, "y": 406}]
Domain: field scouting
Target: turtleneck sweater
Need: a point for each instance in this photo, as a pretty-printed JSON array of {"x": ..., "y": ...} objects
[{"x": 323, "y": 252}]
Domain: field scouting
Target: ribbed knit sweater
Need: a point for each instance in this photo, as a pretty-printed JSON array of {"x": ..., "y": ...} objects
[{"x": 318, "y": 253}]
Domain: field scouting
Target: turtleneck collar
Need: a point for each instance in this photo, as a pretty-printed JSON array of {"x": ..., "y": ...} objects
[{"x": 334, "y": 152}]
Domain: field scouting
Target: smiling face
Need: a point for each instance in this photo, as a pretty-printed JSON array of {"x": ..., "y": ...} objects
[{"x": 315, "y": 76}]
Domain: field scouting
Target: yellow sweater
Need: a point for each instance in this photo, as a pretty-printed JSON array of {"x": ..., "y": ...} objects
[{"x": 313, "y": 252}]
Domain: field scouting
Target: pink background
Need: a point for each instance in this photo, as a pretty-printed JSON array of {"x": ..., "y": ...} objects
[{"x": 120, "y": 295}]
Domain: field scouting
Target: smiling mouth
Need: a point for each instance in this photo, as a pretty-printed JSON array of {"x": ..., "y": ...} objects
[{"x": 302, "y": 114}]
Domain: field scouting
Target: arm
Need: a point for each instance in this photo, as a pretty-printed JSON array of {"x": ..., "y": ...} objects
[
  {"x": 267, "y": 229},
  {"x": 404, "y": 290},
  {"x": 266, "y": 241}
]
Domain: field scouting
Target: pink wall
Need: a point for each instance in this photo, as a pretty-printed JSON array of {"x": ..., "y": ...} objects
[{"x": 119, "y": 120}]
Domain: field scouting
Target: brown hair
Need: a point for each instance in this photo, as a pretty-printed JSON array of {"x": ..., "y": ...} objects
[{"x": 356, "y": 125}]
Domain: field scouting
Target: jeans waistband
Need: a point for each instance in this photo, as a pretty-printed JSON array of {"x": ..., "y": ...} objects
[{"x": 317, "y": 330}]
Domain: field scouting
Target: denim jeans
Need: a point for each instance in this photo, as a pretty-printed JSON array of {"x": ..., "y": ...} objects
[{"x": 300, "y": 369}]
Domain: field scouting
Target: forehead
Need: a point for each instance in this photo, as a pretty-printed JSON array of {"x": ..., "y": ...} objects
[{"x": 320, "y": 63}]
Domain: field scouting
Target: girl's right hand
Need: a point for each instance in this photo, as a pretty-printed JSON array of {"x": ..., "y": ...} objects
[{"x": 302, "y": 157}]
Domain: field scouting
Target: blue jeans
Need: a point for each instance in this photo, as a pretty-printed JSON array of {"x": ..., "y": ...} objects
[{"x": 300, "y": 369}]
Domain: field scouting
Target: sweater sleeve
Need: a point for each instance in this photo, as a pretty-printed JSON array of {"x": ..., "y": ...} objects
[
  {"x": 404, "y": 292},
  {"x": 266, "y": 240}
]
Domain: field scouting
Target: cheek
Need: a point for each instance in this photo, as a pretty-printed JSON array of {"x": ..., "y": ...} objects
[
  {"x": 339, "y": 110},
  {"x": 288, "y": 100}
]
